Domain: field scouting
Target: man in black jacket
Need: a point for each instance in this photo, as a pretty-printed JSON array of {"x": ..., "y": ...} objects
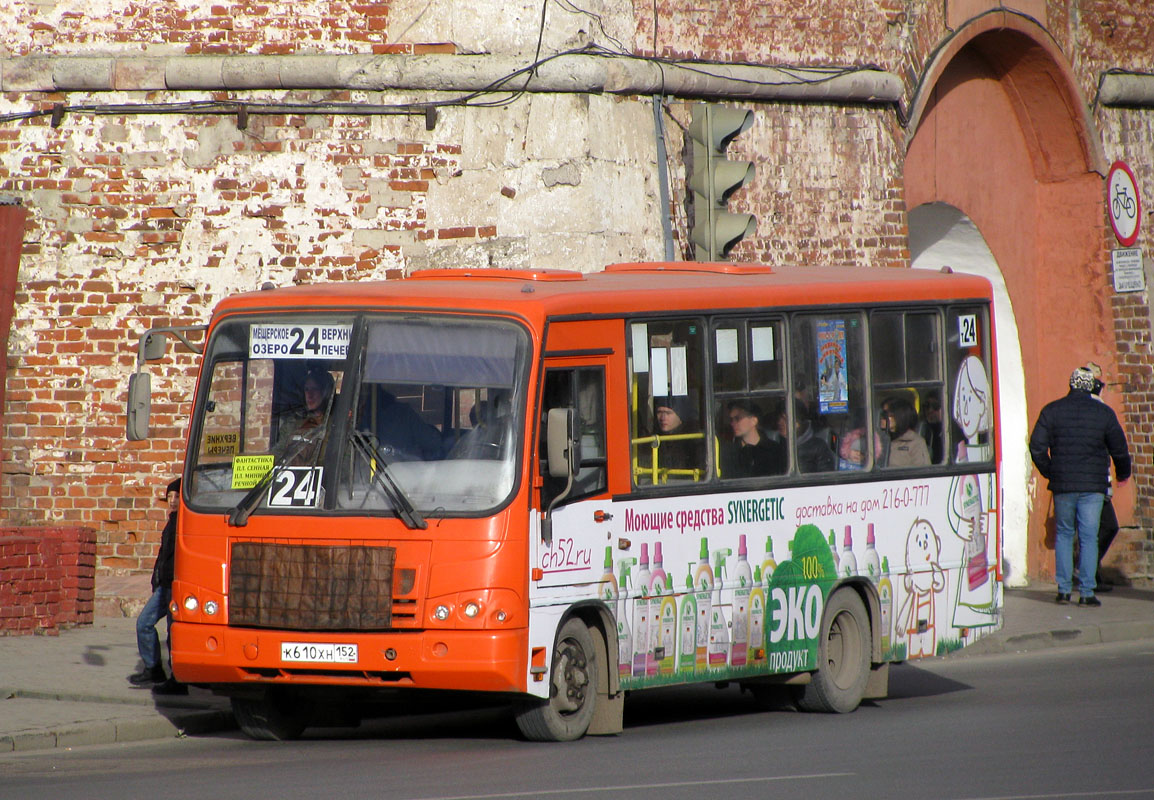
[{"x": 1072, "y": 445}]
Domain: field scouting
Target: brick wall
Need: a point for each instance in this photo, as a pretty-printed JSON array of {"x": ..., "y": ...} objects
[
  {"x": 140, "y": 220},
  {"x": 47, "y": 579}
]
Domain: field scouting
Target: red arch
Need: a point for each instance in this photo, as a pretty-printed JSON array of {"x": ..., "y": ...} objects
[{"x": 1000, "y": 131}]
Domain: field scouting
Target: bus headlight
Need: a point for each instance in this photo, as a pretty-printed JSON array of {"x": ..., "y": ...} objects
[
  {"x": 210, "y": 607},
  {"x": 472, "y": 609},
  {"x": 441, "y": 613},
  {"x": 191, "y": 603}
]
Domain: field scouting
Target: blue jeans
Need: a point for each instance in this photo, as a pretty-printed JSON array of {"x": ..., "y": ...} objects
[
  {"x": 1077, "y": 512},
  {"x": 147, "y": 641}
]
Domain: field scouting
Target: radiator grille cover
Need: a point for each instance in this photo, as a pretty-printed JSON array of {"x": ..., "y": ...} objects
[{"x": 310, "y": 587}]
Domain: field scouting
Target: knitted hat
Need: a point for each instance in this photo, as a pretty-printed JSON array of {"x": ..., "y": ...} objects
[
  {"x": 1082, "y": 379},
  {"x": 680, "y": 404}
]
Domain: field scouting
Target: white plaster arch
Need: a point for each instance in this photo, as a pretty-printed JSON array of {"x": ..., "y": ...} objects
[{"x": 941, "y": 235}]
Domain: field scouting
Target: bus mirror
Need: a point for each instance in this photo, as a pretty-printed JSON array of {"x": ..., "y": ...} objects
[
  {"x": 139, "y": 406},
  {"x": 562, "y": 442},
  {"x": 155, "y": 344}
]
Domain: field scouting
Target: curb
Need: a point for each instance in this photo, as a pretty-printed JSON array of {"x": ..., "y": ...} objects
[
  {"x": 169, "y": 721},
  {"x": 1102, "y": 633}
]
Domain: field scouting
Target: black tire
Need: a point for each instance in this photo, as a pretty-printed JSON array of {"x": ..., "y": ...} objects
[
  {"x": 573, "y": 678},
  {"x": 277, "y": 716},
  {"x": 843, "y": 657}
]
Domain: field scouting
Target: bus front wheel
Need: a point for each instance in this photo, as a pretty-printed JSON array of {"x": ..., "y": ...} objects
[
  {"x": 843, "y": 655},
  {"x": 276, "y": 715},
  {"x": 566, "y": 715}
]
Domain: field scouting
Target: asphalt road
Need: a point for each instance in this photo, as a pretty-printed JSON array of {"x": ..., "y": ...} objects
[{"x": 1072, "y": 723}]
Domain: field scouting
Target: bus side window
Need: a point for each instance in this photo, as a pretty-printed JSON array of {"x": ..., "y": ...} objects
[
  {"x": 905, "y": 348},
  {"x": 971, "y": 403},
  {"x": 582, "y": 389},
  {"x": 668, "y": 423},
  {"x": 749, "y": 400},
  {"x": 830, "y": 430}
]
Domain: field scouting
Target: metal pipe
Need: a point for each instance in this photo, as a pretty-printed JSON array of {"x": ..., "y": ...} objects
[{"x": 447, "y": 72}]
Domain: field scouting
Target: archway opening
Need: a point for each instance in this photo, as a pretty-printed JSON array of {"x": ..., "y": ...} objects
[{"x": 942, "y": 236}]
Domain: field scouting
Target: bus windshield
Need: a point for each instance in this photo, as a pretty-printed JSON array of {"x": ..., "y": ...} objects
[{"x": 375, "y": 414}]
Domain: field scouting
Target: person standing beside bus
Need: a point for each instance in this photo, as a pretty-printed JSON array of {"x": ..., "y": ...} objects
[
  {"x": 1072, "y": 445},
  {"x": 147, "y": 640}
]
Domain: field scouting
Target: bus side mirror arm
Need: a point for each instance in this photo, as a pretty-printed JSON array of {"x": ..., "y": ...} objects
[
  {"x": 563, "y": 445},
  {"x": 153, "y": 346}
]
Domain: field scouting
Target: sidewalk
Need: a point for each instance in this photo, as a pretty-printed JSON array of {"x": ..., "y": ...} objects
[{"x": 72, "y": 689}]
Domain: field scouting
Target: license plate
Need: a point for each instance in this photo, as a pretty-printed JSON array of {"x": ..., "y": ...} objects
[{"x": 319, "y": 652}]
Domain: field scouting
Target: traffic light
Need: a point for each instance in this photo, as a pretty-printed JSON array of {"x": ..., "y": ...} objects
[{"x": 715, "y": 231}]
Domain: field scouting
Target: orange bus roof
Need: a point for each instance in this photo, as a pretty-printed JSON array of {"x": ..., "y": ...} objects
[{"x": 623, "y": 289}]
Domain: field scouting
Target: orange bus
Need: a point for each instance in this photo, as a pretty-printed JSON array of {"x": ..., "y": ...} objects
[{"x": 559, "y": 487}]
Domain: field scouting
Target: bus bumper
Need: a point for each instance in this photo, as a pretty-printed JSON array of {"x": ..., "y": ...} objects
[{"x": 490, "y": 661}]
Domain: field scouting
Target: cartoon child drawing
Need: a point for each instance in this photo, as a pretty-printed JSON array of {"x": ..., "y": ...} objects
[
  {"x": 972, "y": 409},
  {"x": 924, "y": 577},
  {"x": 970, "y": 521}
]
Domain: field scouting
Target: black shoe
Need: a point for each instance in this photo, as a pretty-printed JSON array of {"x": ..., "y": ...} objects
[
  {"x": 170, "y": 687},
  {"x": 1062, "y": 598},
  {"x": 146, "y": 676},
  {"x": 1089, "y": 601}
]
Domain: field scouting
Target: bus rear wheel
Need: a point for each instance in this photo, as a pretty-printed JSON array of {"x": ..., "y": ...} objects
[
  {"x": 275, "y": 716},
  {"x": 566, "y": 715},
  {"x": 843, "y": 657}
]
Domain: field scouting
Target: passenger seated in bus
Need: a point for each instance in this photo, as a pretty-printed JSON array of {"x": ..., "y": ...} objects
[
  {"x": 676, "y": 416},
  {"x": 752, "y": 453},
  {"x": 933, "y": 429},
  {"x": 907, "y": 448},
  {"x": 813, "y": 454},
  {"x": 777, "y": 425},
  {"x": 400, "y": 431},
  {"x": 853, "y": 445}
]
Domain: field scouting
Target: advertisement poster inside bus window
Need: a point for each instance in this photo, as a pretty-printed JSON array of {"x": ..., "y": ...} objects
[{"x": 831, "y": 366}]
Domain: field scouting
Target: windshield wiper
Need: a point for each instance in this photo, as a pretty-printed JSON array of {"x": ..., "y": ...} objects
[
  {"x": 238, "y": 516},
  {"x": 379, "y": 469}
]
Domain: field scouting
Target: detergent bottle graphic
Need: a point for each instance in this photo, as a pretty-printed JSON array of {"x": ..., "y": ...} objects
[
  {"x": 666, "y": 651},
  {"x": 659, "y": 586},
  {"x": 687, "y": 628},
  {"x": 703, "y": 588},
  {"x": 624, "y": 639},
  {"x": 718, "y": 627},
  {"x": 870, "y": 564},
  {"x": 769, "y": 563},
  {"x": 848, "y": 559},
  {"x": 833, "y": 551},
  {"x": 607, "y": 587},
  {"x": 886, "y": 601},
  {"x": 742, "y": 591},
  {"x": 757, "y": 619},
  {"x": 641, "y": 631}
]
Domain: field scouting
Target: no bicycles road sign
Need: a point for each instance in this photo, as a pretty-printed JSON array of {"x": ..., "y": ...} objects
[{"x": 1123, "y": 204}]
